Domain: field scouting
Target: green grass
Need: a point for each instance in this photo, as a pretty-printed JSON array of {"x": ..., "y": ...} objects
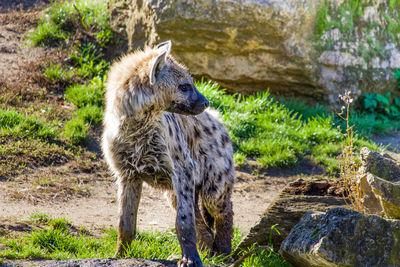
[
  {"x": 276, "y": 136},
  {"x": 88, "y": 100},
  {"x": 86, "y": 95},
  {"x": 62, "y": 19},
  {"x": 55, "y": 72},
  {"x": 88, "y": 62},
  {"x": 47, "y": 34},
  {"x": 17, "y": 124},
  {"x": 58, "y": 239},
  {"x": 366, "y": 124}
]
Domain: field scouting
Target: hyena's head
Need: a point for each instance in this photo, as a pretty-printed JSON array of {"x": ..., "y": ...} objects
[{"x": 174, "y": 84}]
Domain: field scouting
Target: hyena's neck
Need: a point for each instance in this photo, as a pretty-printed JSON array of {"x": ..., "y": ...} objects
[{"x": 141, "y": 123}]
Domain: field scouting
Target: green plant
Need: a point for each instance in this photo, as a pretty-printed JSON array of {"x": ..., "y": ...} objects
[
  {"x": 39, "y": 217},
  {"x": 88, "y": 100},
  {"x": 61, "y": 224},
  {"x": 91, "y": 19},
  {"x": 88, "y": 61},
  {"x": 397, "y": 77},
  {"x": 261, "y": 255},
  {"x": 83, "y": 95},
  {"x": 382, "y": 106},
  {"x": 47, "y": 34}
]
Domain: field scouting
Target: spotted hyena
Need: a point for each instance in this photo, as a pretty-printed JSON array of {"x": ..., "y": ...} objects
[{"x": 155, "y": 131}]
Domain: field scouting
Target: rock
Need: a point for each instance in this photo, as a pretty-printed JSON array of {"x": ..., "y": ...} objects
[
  {"x": 292, "y": 203},
  {"x": 385, "y": 168},
  {"x": 246, "y": 46},
  {"x": 370, "y": 202},
  {"x": 342, "y": 237},
  {"x": 379, "y": 180},
  {"x": 90, "y": 263},
  {"x": 253, "y": 45},
  {"x": 388, "y": 193}
]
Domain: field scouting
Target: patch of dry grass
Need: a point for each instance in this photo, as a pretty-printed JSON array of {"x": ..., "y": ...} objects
[
  {"x": 58, "y": 183},
  {"x": 16, "y": 155}
]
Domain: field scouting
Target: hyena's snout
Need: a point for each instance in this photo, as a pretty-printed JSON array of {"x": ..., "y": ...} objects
[
  {"x": 192, "y": 103},
  {"x": 200, "y": 104}
]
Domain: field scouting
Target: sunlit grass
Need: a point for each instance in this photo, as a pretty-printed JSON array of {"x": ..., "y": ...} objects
[
  {"x": 263, "y": 129},
  {"x": 59, "y": 239}
]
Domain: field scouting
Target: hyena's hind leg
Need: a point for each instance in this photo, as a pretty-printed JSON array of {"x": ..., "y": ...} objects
[
  {"x": 129, "y": 192},
  {"x": 204, "y": 234},
  {"x": 220, "y": 208}
]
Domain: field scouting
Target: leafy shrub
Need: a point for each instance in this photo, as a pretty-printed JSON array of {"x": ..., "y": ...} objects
[
  {"x": 397, "y": 76},
  {"x": 382, "y": 105}
]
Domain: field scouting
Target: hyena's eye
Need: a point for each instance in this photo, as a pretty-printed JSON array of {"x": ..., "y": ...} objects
[{"x": 184, "y": 87}]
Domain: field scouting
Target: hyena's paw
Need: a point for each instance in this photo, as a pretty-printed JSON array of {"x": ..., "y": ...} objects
[{"x": 188, "y": 261}]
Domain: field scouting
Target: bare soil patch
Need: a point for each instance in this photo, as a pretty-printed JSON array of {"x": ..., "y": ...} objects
[
  {"x": 96, "y": 206},
  {"x": 315, "y": 188}
]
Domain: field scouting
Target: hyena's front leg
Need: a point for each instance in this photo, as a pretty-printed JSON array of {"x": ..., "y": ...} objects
[
  {"x": 129, "y": 192},
  {"x": 185, "y": 220}
]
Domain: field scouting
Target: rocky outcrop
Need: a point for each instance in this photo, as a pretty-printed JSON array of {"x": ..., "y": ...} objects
[
  {"x": 243, "y": 45},
  {"x": 286, "y": 211},
  {"x": 296, "y": 48},
  {"x": 342, "y": 237},
  {"x": 90, "y": 263},
  {"x": 379, "y": 179}
]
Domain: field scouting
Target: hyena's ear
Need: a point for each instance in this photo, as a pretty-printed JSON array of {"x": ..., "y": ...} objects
[
  {"x": 163, "y": 49},
  {"x": 165, "y": 45}
]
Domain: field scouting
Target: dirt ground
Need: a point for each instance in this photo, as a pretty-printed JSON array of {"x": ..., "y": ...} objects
[
  {"x": 94, "y": 204},
  {"x": 250, "y": 199}
]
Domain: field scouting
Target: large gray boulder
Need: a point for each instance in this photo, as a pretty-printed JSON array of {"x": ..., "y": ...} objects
[
  {"x": 286, "y": 46},
  {"x": 342, "y": 237}
]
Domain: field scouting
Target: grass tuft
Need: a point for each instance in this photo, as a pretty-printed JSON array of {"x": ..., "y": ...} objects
[
  {"x": 76, "y": 130},
  {"x": 15, "y": 123},
  {"x": 56, "y": 73},
  {"x": 39, "y": 217}
]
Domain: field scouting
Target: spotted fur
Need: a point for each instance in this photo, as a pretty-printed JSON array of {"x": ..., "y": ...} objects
[{"x": 189, "y": 156}]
